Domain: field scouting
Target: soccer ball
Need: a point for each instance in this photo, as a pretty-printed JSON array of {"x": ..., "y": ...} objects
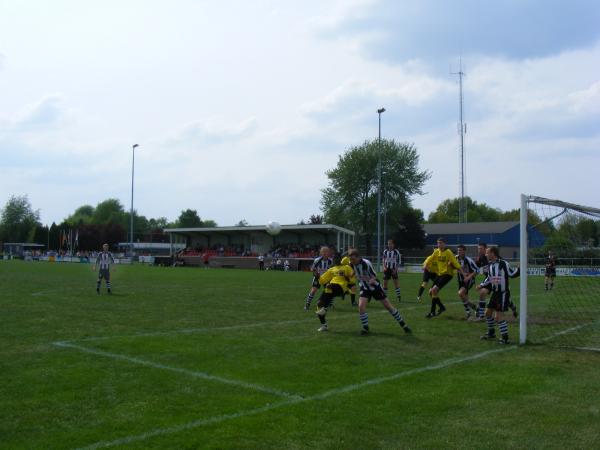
[{"x": 273, "y": 228}]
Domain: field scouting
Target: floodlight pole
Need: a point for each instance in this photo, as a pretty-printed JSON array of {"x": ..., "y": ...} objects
[
  {"x": 380, "y": 111},
  {"x": 131, "y": 211}
]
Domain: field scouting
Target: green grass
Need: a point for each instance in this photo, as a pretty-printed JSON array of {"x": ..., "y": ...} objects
[{"x": 344, "y": 390}]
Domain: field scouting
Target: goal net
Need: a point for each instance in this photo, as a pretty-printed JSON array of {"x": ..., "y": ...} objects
[{"x": 560, "y": 273}]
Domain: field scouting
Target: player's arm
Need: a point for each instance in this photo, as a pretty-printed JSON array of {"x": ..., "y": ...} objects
[
  {"x": 326, "y": 277},
  {"x": 453, "y": 262},
  {"x": 513, "y": 272},
  {"x": 428, "y": 261}
]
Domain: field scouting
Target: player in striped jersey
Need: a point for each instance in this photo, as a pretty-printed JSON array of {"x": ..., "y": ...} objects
[
  {"x": 320, "y": 265},
  {"x": 482, "y": 263},
  {"x": 391, "y": 263},
  {"x": 335, "y": 282},
  {"x": 499, "y": 273},
  {"x": 466, "y": 282},
  {"x": 371, "y": 288},
  {"x": 103, "y": 263}
]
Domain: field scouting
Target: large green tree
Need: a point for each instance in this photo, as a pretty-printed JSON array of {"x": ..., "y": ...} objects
[
  {"x": 447, "y": 212},
  {"x": 350, "y": 199},
  {"x": 189, "y": 218},
  {"x": 19, "y": 220}
]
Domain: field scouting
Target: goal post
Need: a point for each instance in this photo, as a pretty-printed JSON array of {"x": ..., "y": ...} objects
[
  {"x": 559, "y": 258},
  {"x": 523, "y": 264}
]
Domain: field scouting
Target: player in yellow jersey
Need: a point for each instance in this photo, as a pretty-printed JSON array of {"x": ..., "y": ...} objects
[
  {"x": 445, "y": 266},
  {"x": 335, "y": 281},
  {"x": 352, "y": 283},
  {"x": 428, "y": 275}
]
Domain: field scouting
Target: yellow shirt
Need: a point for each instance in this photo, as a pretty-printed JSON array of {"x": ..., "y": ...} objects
[
  {"x": 430, "y": 263},
  {"x": 444, "y": 263},
  {"x": 338, "y": 275}
]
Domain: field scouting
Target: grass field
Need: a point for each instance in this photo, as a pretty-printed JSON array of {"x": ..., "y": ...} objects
[{"x": 191, "y": 358}]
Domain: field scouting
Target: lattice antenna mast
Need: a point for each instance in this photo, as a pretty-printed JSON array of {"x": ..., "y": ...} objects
[{"x": 462, "y": 130}]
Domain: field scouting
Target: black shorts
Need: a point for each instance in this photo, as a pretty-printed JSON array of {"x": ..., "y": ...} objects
[
  {"x": 427, "y": 275},
  {"x": 375, "y": 292},
  {"x": 390, "y": 273},
  {"x": 550, "y": 272},
  {"x": 487, "y": 287},
  {"x": 329, "y": 293},
  {"x": 442, "y": 281},
  {"x": 468, "y": 285},
  {"x": 499, "y": 301},
  {"x": 104, "y": 273}
]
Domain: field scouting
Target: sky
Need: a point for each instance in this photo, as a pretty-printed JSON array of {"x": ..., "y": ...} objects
[{"x": 240, "y": 107}]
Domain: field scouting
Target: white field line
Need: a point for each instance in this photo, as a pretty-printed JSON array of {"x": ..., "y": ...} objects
[
  {"x": 324, "y": 395},
  {"x": 192, "y": 373},
  {"x": 292, "y": 401},
  {"x": 240, "y": 326},
  {"x": 588, "y": 349}
]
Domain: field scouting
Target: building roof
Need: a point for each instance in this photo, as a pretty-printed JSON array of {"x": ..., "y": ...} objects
[
  {"x": 292, "y": 228},
  {"x": 469, "y": 228}
]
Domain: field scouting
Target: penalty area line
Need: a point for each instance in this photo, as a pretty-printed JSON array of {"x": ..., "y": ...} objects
[
  {"x": 192, "y": 373},
  {"x": 293, "y": 401}
]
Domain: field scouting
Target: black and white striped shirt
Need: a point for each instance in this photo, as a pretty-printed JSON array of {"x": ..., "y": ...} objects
[
  {"x": 498, "y": 274},
  {"x": 104, "y": 260},
  {"x": 482, "y": 263},
  {"x": 321, "y": 265},
  {"x": 468, "y": 266},
  {"x": 391, "y": 258},
  {"x": 365, "y": 273}
]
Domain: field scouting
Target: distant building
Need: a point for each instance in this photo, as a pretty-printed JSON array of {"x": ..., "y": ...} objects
[
  {"x": 504, "y": 235},
  {"x": 21, "y": 248}
]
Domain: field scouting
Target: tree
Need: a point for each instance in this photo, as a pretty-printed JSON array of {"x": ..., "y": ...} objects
[
  {"x": 159, "y": 223},
  {"x": 447, "y": 212},
  {"x": 242, "y": 223},
  {"x": 18, "y": 221},
  {"x": 83, "y": 214},
  {"x": 189, "y": 218},
  {"x": 109, "y": 211},
  {"x": 315, "y": 219},
  {"x": 208, "y": 223},
  {"x": 350, "y": 199},
  {"x": 406, "y": 227}
]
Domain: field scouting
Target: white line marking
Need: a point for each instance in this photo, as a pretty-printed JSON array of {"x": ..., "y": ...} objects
[
  {"x": 238, "y": 327},
  {"x": 588, "y": 349},
  {"x": 272, "y": 406},
  {"x": 203, "y": 375},
  {"x": 292, "y": 401}
]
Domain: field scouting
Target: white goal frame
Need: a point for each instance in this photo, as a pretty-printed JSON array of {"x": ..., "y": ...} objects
[{"x": 524, "y": 250}]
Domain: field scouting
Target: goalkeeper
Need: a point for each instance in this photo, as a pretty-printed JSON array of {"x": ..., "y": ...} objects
[{"x": 336, "y": 281}]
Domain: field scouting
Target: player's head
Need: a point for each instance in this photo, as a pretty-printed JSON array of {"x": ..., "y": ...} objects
[
  {"x": 482, "y": 246},
  {"x": 105, "y": 247},
  {"x": 337, "y": 259},
  {"x": 354, "y": 256},
  {"x": 441, "y": 243},
  {"x": 325, "y": 251},
  {"x": 391, "y": 244},
  {"x": 492, "y": 253},
  {"x": 462, "y": 250}
]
